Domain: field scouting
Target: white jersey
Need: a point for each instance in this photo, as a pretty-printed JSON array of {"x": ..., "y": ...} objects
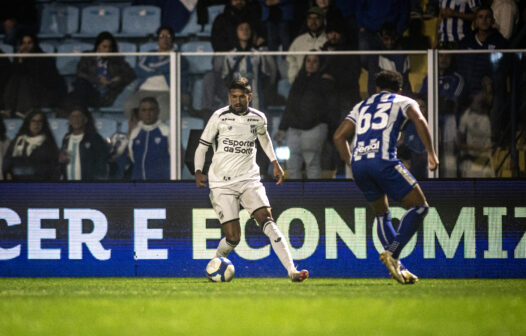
[{"x": 233, "y": 138}]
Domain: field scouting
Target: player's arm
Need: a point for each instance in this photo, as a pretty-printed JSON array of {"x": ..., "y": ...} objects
[
  {"x": 414, "y": 114},
  {"x": 266, "y": 144},
  {"x": 200, "y": 153},
  {"x": 344, "y": 132}
]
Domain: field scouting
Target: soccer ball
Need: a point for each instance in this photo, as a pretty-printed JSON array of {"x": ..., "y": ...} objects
[{"x": 220, "y": 269}]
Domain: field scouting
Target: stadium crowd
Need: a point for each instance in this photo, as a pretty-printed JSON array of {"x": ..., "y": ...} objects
[{"x": 310, "y": 94}]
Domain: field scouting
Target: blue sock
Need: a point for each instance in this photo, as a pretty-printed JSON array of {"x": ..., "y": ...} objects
[
  {"x": 384, "y": 229},
  {"x": 409, "y": 224}
]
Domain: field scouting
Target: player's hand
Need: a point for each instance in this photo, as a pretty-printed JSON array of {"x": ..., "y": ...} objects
[
  {"x": 278, "y": 172},
  {"x": 433, "y": 161},
  {"x": 200, "y": 179}
]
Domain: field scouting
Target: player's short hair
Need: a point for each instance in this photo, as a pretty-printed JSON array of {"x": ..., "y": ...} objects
[
  {"x": 389, "y": 80},
  {"x": 150, "y": 100},
  {"x": 240, "y": 83}
]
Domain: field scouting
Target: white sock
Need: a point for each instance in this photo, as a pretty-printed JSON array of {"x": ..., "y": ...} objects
[
  {"x": 279, "y": 245},
  {"x": 224, "y": 248}
]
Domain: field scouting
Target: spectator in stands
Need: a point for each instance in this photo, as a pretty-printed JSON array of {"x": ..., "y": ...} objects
[
  {"x": 16, "y": 18},
  {"x": 153, "y": 73},
  {"x": 311, "y": 110},
  {"x": 506, "y": 13},
  {"x": 33, "y": 154},
  {"x": 388, "y": 40},
  {"x": 224, "y": 27},
  {"x": 331, "y": 12},
  {"x": 34, "y": 81},
  {"x": 84, "y": 153},
  {"x": 277, "y": 16},
  {"x": 450, "y": 93},
  {"x": 149, "y": 144},
  {"x": 410, "y": 149},
  {"x": 100, "y": 79},
  {"x": 415, "y": 39},
  {"x": 474, "y": 134},
  {"x": 259, "y": 70},
  {"x": 5, "y": 73},
  {"x": 4, "y": 144},
  {"x": 454, "y": 21},
  {"x": 313, "y": 39},
  {"x": 345, "y": 69}
]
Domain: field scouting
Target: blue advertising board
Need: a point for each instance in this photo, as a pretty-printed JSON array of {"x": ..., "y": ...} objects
[{"x": 475, "y": 228}]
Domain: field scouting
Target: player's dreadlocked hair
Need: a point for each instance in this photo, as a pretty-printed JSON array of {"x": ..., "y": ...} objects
[
  {"x": 389, "y": 80},
  {"x": 240, "y": 83}
]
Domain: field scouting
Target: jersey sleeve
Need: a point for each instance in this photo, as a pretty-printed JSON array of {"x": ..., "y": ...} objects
[
  {"x": 210, "y": 131},
  {"x": 262, "y": 126},
  {"x": 408, "y": 102},
  {"x": 353, "y": 115}
]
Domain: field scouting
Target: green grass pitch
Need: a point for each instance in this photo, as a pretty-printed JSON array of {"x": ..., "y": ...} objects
[{"x": 261, "y": 306}]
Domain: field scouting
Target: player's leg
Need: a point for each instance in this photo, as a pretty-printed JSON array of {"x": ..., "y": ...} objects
[
  {"x": 226, "y": 206},
  {"x": 263, "y": 217}
]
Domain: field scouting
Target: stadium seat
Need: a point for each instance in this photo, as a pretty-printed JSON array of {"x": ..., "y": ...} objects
[
  {"x": 193, "y": 28},
  {"x": 59, "y": 127},
  {"x": 48, "y": 48},
  {"x": 12, "y": 126},
  {"x": 197, "y": 94},
  {"x": 96, "y": 19},
  {"x": 106, "y": 127},
  {"x": 284, "y": 88},
  {"x": 140, "y": 21},
  {"x": 128, "y": 47},
  {"x": 6, "y": 48},
  {"x": 198, "y": 64},
  {"x": 67, "y": 65},
  {"x": 58, "y": 21}
]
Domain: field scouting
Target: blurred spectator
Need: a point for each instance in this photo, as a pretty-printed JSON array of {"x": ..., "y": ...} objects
[
  {"x": 259, "y": 70},
  {"x": 224, "y": 27},
  {"x": 506, "y": 14},
  {"x": 101, "y": 79},
  {"x": 348, "y": 10},
  {"x": 84, "y": 152},
  {"x": 277, "y": 16},
  {"x": 454, "y": 21},
  {"x": 310, "y": 111},
  {"x": 149, "y": 144},
  {"x": 331, "y": 12},
  {"x": 388, "y": 40},
  {"x": 5, "y": 73},
  {"x": 411, "y": 150},
  {"x": 415, "y": 39},
  {"x": 475, "y": 140},
  {"x": 474, "y": 67},
  {"x": 16, "y": 18},
  {"x": 33, "y": 154},
  {"x": 34, "y": 81},
  {"x": 450, "y": 92},
  {"x": 4, "y": 144},
  {"x": 345, "y": 69},
  {"x": 153, "y": 73},
  {"x": 313, "y": 39}
]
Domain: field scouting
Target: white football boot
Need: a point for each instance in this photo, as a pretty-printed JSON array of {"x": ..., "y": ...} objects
[
  {"x": 409, "y": 277},
  {"x": 393, "y": 265}
]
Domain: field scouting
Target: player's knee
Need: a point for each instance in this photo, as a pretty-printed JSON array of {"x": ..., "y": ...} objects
[{"x": 233, "y": 243}]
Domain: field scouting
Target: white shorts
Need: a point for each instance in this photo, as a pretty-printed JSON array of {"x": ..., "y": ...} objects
[{"x": 226, "y": 200}]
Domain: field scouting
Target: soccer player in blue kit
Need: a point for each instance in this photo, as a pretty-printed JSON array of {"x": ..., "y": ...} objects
[{"x": 374, "y": 126}]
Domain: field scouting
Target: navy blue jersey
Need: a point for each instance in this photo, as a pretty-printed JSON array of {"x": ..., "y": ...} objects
[{"x": 378, "y": 122}]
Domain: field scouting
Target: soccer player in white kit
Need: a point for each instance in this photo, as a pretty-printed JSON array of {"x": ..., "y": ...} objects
[{"x": 234, "y": 176}]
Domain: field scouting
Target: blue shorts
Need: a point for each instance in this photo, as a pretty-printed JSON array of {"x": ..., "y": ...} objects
[{"x": 378, "y": 177}]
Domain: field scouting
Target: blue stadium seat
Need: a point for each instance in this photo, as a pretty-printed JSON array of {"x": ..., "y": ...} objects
[
  {"x": 96, "y": 19},
  {"x": 193, "y": 28},
  {"x": 67, "y": 65},
  {"x": 59, "y": 127},
  {"x": 48, "y": 48},
  {"x": 12, "y": 126},
  {"x": 106, "y": 127},
  {"x": 128, "y": 47},
  {"x": 198, "y": 64},
  {"x": 58, "y": 21},
  {"x": 197, "y": 94},
  {"x": 6, "y": 48},
  {"x": 140, "y": 21}
]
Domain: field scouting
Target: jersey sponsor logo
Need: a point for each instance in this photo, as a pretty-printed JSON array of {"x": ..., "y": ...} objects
[
  {"x": 370, "y": 150},
  {"x": 238, "y": 147},
  {"x": 228, "y": 119},
  {"x": 253, "y": 129},
  {"x": 252, "y": 119}
]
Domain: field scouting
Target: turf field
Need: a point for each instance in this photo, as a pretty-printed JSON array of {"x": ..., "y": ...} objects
[{"x": 193, "y": 306}]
